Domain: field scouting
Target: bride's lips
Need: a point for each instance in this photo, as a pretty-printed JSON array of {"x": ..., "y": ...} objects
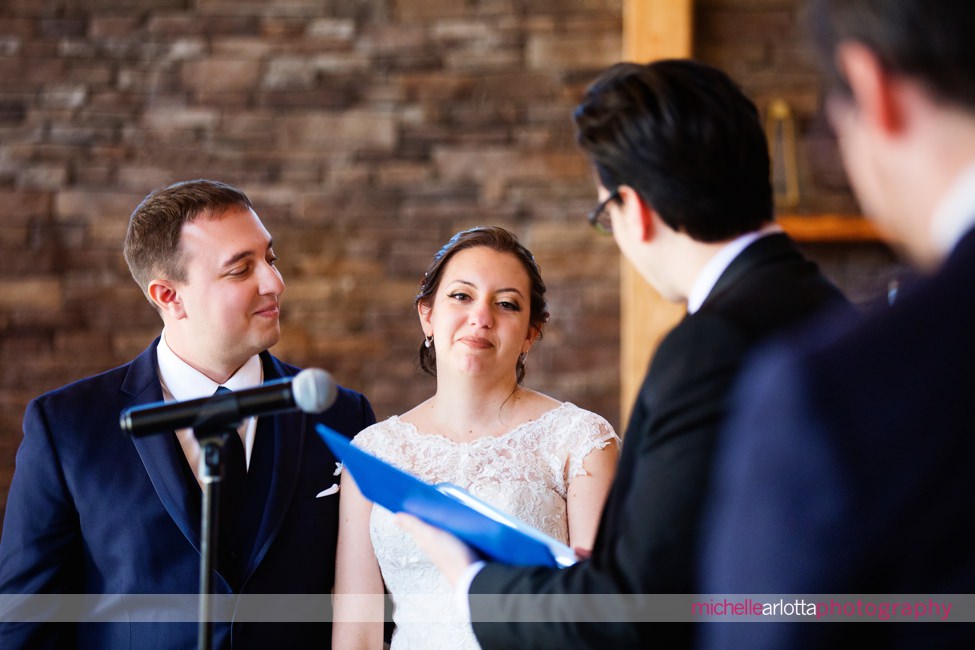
[{"x": 476, "y": 342}]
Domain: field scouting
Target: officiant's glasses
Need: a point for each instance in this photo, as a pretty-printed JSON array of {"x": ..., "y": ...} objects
[{"x": 599, "y": 218}]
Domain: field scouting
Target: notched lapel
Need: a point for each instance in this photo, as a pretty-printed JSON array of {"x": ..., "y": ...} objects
[
  {"x": 289, "y": 436},
  {"x": 160, "y": 453},
  {"x": 162, "y": 457}
]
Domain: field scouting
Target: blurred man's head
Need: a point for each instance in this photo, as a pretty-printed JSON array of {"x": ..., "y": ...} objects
[{"x": 901, "y": 98}]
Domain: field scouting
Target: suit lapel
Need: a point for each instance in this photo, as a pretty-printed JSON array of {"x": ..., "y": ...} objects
[
  {"x": 163, "y": 458},
  {"x": 161, "y": 454},
  {"x": 288, "y": 434}
]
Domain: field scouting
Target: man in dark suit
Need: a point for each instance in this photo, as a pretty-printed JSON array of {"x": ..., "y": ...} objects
[
  {"x": 91, "y": 511},
  {"x": 849, "y": 468},
  {"x": 683, "y": 170}
]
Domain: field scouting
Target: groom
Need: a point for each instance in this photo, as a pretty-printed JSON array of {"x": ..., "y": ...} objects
[{"x": 91, "y": 511}]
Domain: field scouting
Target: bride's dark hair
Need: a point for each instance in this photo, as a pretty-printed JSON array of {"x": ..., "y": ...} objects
[{"x": 497, "y": 239}]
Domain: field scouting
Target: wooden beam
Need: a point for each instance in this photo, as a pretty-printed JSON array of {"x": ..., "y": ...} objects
[
  {"x": 657, "y": 29},
  {"x": 652, "y": 29},
  {"x": 830, "y": 228}
]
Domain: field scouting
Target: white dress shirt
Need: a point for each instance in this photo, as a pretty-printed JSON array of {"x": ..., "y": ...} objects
[
  {"x": 955, "y": 214},
  {"x": 181, "y": 382}
]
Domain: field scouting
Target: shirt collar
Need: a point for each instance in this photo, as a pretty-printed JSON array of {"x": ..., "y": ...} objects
[
  {"x": 184, "y": 382},
  {"x": 721, "y": 260},
  {"x": 955, "y": 214}
]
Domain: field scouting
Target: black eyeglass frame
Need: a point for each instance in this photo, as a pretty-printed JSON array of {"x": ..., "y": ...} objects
[{"x": 599, "y": 218}]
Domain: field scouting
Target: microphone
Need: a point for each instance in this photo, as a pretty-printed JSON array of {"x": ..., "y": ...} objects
[{"x": 311, "y": 390}]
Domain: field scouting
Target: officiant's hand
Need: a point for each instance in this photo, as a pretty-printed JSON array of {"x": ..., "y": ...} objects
[{"x": 448, "y": 553}]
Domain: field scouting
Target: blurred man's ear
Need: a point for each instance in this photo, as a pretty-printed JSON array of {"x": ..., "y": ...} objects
[{"x": 874, "y": 88}]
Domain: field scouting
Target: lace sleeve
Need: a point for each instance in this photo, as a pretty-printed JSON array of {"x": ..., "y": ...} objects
[
  {"x": 366, "y": 439},
  {"x": 378, "y": 439},
  {"x": 592, "y": 432}
]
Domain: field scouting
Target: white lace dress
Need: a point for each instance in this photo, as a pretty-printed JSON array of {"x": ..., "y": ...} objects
[{"x": 524, "y": 472}]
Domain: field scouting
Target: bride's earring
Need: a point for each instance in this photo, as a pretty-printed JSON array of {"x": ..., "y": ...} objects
[{"x": 428, "y": 341}]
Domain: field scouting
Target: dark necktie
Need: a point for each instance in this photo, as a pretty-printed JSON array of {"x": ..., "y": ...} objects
[{"x": 233, "y": 488}]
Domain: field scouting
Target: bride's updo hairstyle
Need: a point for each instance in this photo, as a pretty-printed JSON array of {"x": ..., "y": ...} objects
[{"x": 497, "y": 239}]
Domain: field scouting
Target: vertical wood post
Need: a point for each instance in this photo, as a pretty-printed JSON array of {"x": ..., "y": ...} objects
[{"x": 652, "y": 29}]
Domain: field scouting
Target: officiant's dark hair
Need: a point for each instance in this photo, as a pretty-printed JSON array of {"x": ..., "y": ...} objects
[
  {"x": 497, "y": 239},
  {"x": 685, "y": 137}
]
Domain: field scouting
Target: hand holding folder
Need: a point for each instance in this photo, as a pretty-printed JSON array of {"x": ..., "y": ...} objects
[{"x": 497, "y": 535}]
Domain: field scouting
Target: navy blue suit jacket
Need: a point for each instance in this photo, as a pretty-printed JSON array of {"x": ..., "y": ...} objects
[
  {"x": 850, "y": 469},
  {"x": 95, "y": 512},
  {"x": 649, "y": 526}
]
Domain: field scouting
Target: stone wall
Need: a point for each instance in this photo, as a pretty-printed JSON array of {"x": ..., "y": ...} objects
[
  {"x": 763, "y": 46},
  {"x": 365, "y": 131}
]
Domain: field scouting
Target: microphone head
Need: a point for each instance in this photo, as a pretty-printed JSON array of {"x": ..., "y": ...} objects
[{"x": 314, "y": 390}]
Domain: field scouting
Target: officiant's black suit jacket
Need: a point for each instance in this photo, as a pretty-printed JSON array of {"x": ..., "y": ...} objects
[{"x": 648, "y": 533}]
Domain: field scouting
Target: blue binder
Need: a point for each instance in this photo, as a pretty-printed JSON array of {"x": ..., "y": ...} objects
[{"x": 497, "y": 535}]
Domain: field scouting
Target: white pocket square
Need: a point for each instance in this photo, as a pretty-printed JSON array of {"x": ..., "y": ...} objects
[{"x": 327, "y": 491}]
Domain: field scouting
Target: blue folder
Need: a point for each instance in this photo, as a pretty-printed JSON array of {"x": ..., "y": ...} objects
[{"x": 495, "y": 534}]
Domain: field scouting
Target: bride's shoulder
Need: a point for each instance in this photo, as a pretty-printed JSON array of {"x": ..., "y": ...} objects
[
  {"x": 378, "y": 434},
  {"x": 573, "y": 421},
  {"x": 538, "y": 404},
  {"x": 418, "y": 419}
]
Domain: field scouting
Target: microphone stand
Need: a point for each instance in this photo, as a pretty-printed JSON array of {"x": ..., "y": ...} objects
[
  {"x": 212, "y": 441},
  {"x": 215, "y": 421},
  {"x": 218, "y": 420}
]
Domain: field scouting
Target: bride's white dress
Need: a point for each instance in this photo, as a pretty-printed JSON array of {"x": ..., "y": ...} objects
[{"x": 524, "y": 472}]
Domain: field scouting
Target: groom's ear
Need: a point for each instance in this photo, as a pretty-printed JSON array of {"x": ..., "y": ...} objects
[{"x": 166, "y": 298}]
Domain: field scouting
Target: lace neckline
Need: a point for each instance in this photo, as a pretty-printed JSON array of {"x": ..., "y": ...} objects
[{"x": 412, "y": 428}]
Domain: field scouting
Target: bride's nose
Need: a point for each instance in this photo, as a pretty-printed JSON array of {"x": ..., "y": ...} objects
[{"x": 481, "y": 315}]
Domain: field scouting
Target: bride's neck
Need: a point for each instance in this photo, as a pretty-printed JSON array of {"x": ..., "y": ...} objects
[{"x": 467, "y": 409}]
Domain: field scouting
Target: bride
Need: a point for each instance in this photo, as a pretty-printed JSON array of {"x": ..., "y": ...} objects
[{"x": 482, "y": 307}]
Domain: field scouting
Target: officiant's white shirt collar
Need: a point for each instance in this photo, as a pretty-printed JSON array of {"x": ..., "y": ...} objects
[{"x": 719, "y": 263}]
